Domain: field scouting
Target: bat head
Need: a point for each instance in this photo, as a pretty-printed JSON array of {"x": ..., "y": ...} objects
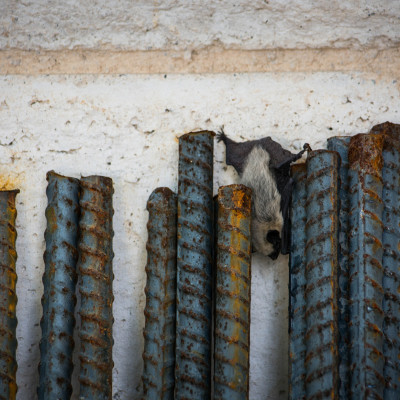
[{"x": 266, "y": 237}]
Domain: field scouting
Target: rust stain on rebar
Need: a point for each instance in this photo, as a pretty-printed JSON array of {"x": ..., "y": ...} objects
[
  {"x": 233, "y": 294},
  {"x": 8, "y": 297},
  {"x": 365, "y": 153}
]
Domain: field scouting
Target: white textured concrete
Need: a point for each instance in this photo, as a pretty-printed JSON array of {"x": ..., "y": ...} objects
[
  {"x": 126, "y": 127},
  {"x": 189, "y": 25}
]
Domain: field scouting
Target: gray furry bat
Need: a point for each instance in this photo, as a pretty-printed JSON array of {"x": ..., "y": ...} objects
[{"x": 264, "y": 166}]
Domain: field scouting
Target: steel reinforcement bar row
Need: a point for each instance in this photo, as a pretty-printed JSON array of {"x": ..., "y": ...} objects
[
  {"x": 59, "y": 280},
  {"x": 232, "y": 301},
  {"x": 366, "y": 270},
  {"x": 297, "y": 285},
  {"x": 340, "y": 144},
  {"x": 321, "y": 292},
  {"x": 95, "y": 288},
  {"x": 160, "y": 311},
  {"x": 8, "y": 296},
  {"x": 194, "y": 266}
]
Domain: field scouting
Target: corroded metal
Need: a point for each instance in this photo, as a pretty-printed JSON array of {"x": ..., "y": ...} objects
[
  {"x": 391, "y": 269},
  {"x": 8, "y": 296},
  {"x": 340, "y": 144},
  {"x": 322, "y": 229},
  {"x": 232, "y": 323},
  {"x": 59, "y": 280},
  {"x": 95, "y": 288},
  {"x": 366, "y": 271},
  {"x": 160, "y": 311},
  {"x": 194, "y": 262},
  {"x": 297, "y": 285}
]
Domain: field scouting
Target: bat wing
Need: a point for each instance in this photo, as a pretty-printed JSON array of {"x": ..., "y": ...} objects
[
  {"x": 286, "y": 198},
  {"x": 236, "y": 153}
]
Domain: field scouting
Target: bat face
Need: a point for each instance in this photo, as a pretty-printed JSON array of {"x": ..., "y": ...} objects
[{"x": 265, "y": 238}]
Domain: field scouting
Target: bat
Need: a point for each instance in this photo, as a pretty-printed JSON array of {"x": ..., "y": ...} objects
[{"x": 264, "y": 166}]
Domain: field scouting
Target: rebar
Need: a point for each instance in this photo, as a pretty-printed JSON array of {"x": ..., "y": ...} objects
[
  {"x": 232, "y": 324},
  {"x": 366, "y": 271},
  {"x": 160, "y": 311},
  {"x": 95, "y": 288},
  {"x": 297, "y": 285},
  {"x": 340, "y": 144},
  {"x": 194, "y": 264},
  {"x": 322, "y": 229},
  {"x": 8, "y": 296},
  {"x": 391, "y": 270},
  {"x": 59, "y": 280}
]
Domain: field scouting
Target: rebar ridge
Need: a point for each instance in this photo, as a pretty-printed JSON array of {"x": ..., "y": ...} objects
[
  {"x": 366, "y": 271},
  {"x": 95, "y": 288},
  {"x": 232, "y": 323},
  {"x": 59, "y": 280},
  {"x": 297, "y": 285},
  {"x": 194, "y": 264},
  {"x": 340, "y": 144},
  {"x": 391, "y": 270},
  {"x": 8, "y": 296},
  {"x": 160, "y": 312},
  {"x": 322, "y": 227}
]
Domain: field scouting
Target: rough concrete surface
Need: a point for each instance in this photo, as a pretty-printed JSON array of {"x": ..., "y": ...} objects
[
  {"x": 188, "y": 25},
  {"x": 126, "y": 127}
]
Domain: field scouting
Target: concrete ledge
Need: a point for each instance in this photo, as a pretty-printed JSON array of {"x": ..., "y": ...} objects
[{"x": 210, "y": 60}]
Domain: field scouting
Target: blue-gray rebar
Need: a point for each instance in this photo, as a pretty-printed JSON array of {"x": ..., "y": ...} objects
[
  {"x": 59, "y": 280},
  {"x": 194, "y": 264},
  {"x": 95, "y": 288},
  {"x": 341, "y": 145},
  {"x": 390, "y": 263},
  {"x": 366, "y": 271},
  {"x": 160, "y": 311},
  {"x": 297, "y": 285},
  {"x": 8, "y": 296},
  {"x": 232, "y": 302},
  {"x": 322, "y": 230}
]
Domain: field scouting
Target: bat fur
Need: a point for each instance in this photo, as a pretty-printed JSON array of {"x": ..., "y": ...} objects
[{"x": 263, "y": 165}]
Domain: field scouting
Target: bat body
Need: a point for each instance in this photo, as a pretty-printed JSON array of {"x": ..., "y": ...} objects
[{"x": 264, "y": 166}]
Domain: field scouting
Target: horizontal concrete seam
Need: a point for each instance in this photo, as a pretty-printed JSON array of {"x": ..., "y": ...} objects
[{"x": 209, "y": 60}]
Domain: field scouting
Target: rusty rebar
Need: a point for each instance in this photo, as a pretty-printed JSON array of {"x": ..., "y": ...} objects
[
  {"x": 322, "y": 229},
  {"x": 366, "y": 271},
  {"x": 340, "y": 144},
  {"x": 297, "y": 285},
  {"x": 8, "y": 296},
  {"x": 194, "y": 263},
  {"x": 59, "y": 280},
  {"x": 95, "y": 288},
  {"x": 232, "y": 302},
  {"x": 160, "y": 312},
  {"x": 391, "y": 269}
]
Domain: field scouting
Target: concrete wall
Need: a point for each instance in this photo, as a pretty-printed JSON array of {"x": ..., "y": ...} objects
[{"x": 323, "y": 68}]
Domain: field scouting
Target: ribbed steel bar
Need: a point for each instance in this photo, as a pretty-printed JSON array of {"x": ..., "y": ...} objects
[
  {"x": 59, "y": 280},
  {"x": 340, "y": 144},
  {"x": 194, "y": 262},
  {"x": 366, "y": 271},
  {"x": 297, "y": 285},
  {"x": 95, "y": 288},
  {"x": 322, "y": 231},
  {"x": 8, "y": 296},
  {"x": 160, "y": 311},
  {"x": 391, "y": 269},
  {"x": 232, "y": 323}
]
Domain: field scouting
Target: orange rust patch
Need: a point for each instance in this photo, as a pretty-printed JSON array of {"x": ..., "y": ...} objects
[
  {"x": 9, "y": 183},
  {"x": 365, "y": 153}
]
